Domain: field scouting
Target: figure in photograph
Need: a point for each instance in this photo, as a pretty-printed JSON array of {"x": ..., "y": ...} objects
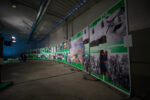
[
  {"x": 87, "y": 63},
  {"x": 103, "y": 62},
  {"x": 66, "y": 56}
]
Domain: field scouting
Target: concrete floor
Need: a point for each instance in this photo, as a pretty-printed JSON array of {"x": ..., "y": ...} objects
[{"x": 46, "y": 80}]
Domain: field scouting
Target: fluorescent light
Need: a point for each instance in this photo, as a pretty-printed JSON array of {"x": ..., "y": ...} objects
[
  {"x": 14, "y": 41},
  {"x": 13, "y": 6},
  {"x": 13, "y": 37}
]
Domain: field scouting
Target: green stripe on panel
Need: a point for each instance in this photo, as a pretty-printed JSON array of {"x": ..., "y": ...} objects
[
  {"x": 120, "y": 49},
  {"x": 116, "y": 7},
  {"x": 111, "y": 44},
  {"x": 76, "y": 36},
  {"x": 95, "y": 22}
]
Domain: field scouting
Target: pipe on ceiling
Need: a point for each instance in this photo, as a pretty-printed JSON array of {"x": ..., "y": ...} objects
[
  {"x": 43, "y": 7},
  {"x": 62, "y": 20}
]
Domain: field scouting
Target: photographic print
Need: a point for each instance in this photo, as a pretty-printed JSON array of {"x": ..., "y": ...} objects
[
  {"x": 103, "y": 57},
  {"x": 38, "y": 51},
  {"x": 47, "y": 50},
  {"x": 65, "y": 45},
  {"x": 38, "y": 55},
  {"x": 45, "y": 56},
  {"x": 93, "y": 37},
  {"x": 100, "y": 30},
  {"x": 51, "y": 56},
  {"x": 69, "y": 43},
  {"x": 59, "y": 47},
  {"x": 97, "y": 35},
  {"x": 99, "y": 62},
  {"x": 87, "y": 63},
  {"x": 85, "y": 32},
  {"x": 60, "y": 56},
  {"x": 52, "y": 49},
  {"x": 115, "y": 25},
  {"x": 66, "y": 56},
  {"x": 69, "y": 58},
  {"x": 118, "y": 69},
  {"x": 76, "y": 50},
  {"x": 94, "y": 63}
]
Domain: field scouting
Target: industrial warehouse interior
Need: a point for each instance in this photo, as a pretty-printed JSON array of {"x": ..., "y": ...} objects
[{"x": 74, "y": 50}]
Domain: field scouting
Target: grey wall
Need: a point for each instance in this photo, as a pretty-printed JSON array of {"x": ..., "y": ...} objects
[
  {"x": 138, "y": 12},
  {"x": 140, "y": 63},
  {"x": 139, "y": 28},
  {"x": 55, "y": 37}
]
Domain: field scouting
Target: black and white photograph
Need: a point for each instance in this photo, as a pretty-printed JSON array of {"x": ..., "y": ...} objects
[
  {"x": 115, "y": 25},
  {"x": 118, "y": 69},
  {"x": 97, "y": 35},
  {"x": 99, "y": 62},
  {"x": 85, "y": 32},
  {"x": 95, "y": 63},
  {"x": 93, "y": 37}
]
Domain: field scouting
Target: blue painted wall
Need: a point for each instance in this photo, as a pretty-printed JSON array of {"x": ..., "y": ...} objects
[{"x": 17, "y": 48}]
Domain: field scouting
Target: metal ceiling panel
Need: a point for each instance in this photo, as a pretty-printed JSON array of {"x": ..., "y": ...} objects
[{"x": 20, "y": 20}]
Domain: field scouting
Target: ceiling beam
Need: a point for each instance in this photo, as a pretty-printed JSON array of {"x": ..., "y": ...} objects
[
  {"x": 35, "y": 8},
  {"x": 43, "y": 7},
  {"x": 67, "y": 15}
]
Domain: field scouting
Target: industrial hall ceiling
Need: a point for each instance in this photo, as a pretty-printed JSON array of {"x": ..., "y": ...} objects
[{"x": 34, "y": 19}]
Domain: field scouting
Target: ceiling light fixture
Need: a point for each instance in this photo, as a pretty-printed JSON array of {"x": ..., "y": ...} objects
[
  {"x": 13, "y": 3},
  {"x": 13, "y": 39},
  {"x": 13, "y": 6}
]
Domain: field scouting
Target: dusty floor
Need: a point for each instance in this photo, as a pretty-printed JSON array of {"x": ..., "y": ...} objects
[{"x": 45, "y": 80}]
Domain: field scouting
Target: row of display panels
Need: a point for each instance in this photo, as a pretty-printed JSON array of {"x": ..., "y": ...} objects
[
  {"x": 98, "y": 49},
  {"x": 58, "y": 48}
]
